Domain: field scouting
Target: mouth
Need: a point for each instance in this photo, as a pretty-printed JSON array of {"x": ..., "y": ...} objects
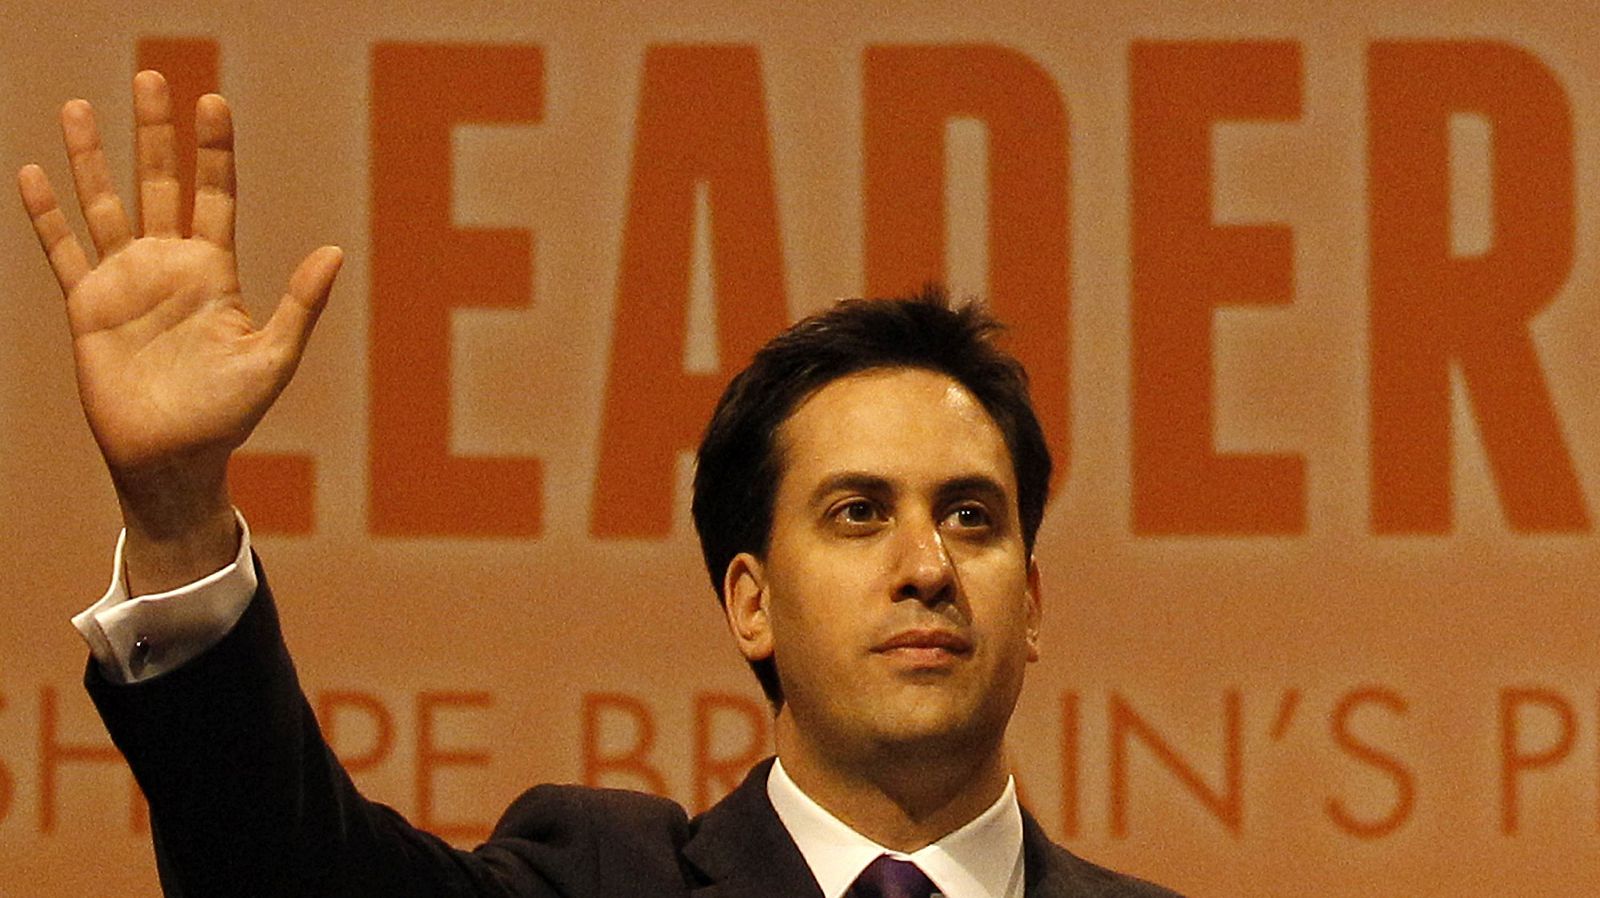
[{"x": 925, "y": 646}]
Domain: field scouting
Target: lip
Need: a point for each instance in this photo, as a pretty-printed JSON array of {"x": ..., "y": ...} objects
[{"x": 926, "y": 640}]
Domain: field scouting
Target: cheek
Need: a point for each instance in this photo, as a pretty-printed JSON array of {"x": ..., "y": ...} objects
[
  {"x": 820, "y": 615},
  {"x": 800, "y": 615},
  {"x": 1004, "y": 603},
  {"x": 819, "y": 580}
]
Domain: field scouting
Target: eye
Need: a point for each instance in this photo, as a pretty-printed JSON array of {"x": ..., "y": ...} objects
[
  {"x": 858, "y": 511},
  {"x": 970, "y": 516},
  {"x": 856, "y": 514}
]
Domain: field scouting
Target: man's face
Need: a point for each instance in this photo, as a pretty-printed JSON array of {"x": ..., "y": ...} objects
[{"x": 895, "y": 594}]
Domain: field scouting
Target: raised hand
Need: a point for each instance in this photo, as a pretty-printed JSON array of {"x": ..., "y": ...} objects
[{"x": 172, "y": 373}]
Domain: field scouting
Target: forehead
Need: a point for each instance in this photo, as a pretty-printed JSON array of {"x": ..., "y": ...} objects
[{"x": 900, "y": 423}]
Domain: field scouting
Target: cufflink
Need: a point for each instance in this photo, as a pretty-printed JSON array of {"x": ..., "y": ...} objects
[{"x": 140, "y": 655}]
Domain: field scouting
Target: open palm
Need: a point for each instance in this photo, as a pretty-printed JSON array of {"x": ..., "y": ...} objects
[{"x": 171, "y": 370}]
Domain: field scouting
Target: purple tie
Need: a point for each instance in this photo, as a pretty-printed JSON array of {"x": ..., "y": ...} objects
[{"x": 889, "y": 878}]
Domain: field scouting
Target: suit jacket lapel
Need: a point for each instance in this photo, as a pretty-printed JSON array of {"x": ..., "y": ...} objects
[
  {"x": 1042, "y": 874},
  {"x": 741, "y": 850}
]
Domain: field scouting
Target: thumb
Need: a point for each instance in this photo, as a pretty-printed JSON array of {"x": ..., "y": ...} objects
[{"x": 297, "y": 312}]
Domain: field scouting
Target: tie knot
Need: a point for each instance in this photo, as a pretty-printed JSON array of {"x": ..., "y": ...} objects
[{"x": 890, "y": 878}]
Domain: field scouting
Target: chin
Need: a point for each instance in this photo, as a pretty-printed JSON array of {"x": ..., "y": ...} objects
[{"x": 945, "y": 731}]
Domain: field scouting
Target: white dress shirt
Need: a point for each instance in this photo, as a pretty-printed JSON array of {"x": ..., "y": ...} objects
[
  {"x": 141, "y": 637},
  {"x": 982, "y": 859},
  {"x": 137, "y": 638}
]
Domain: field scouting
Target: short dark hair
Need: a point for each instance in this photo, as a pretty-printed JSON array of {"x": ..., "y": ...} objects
[{"x": 739, "y": 465}]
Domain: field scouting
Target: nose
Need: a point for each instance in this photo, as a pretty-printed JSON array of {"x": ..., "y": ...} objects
[{"x": 926, "y": 572}]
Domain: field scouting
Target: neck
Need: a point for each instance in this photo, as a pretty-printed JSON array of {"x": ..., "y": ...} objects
[{"x": 902, "y": 797}]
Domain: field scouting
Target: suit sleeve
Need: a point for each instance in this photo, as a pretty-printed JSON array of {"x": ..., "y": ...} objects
[{"x": 247, "y": 799}]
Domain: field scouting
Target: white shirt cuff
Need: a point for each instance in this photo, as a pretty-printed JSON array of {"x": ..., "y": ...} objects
[{"x": 142, "y": 637}]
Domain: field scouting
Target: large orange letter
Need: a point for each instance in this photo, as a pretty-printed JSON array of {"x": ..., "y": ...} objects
[
  {"x": 1514, "y": 760},
  {"x": 1432, "y": 310},
  {"x": 911, "y": 93},
  {"x": 1070, "y": 749},
  {"x": 1405, "y": 785},
  {"x": 274, "y": 489},
  {"x": 7, "y": 782},
  {"x": 53, "y": 754},
  {"x": 422, "y": 268},
  {"x": 1184, "y": 267},
  {"x": 717, "y": 772},
  {"x": 330, "y": 706},
  {"x": 702, "y": 122},
  {"x": 634, "y": 762},
  {"x": 430, "y": 758},
  {"x": 1227, "y": 804}
]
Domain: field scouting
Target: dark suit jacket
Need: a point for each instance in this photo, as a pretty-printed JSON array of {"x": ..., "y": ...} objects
[{"x": 246, "y": 799}]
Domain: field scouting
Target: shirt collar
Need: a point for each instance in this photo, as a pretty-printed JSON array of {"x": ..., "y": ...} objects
[{"x": 982, "y": 859}]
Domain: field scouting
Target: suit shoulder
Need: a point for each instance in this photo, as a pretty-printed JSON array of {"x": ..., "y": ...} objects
[
  {"x": 587, "y": 841},
  {"x": 555, "y": 812},
  {"x": 1091, "y": 880}
]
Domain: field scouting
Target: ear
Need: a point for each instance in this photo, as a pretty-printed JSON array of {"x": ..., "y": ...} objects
[
  {"x": 745, "y": 597},
  {"x": 1035, "y": 600}
]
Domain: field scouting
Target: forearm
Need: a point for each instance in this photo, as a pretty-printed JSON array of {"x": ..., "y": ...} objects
[
  {"x": 215, "y": 745},
  {"x": 246, "y": 798}
]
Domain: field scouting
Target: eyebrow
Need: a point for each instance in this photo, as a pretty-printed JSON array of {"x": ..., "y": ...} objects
[
  {"x": 980, "y": 485},
  {"x": 851, "y": 481}
]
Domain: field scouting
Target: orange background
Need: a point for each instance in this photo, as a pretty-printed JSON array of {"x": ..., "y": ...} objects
[{"x": 1308, "y": 298}]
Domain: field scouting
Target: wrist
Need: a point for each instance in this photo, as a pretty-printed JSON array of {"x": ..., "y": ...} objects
[{"x": 180, "y": 527}]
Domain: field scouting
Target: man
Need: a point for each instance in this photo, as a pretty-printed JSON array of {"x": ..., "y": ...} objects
[{"x": 867, "y": 496}]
